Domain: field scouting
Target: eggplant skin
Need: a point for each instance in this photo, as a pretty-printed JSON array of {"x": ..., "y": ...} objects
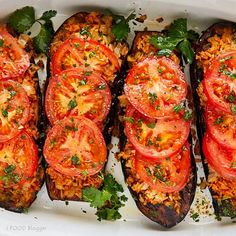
[
  {"x": 159, "y": 213},
  {"x": 224, "y": 207},
  {"x": 63, "y": 32},
  {"x": 164, "y": 215}
]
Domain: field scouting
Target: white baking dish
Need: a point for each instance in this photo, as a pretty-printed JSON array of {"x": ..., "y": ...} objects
[{"x": 46, "y": 217}]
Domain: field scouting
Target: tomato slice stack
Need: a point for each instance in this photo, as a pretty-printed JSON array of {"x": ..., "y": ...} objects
[
  {"x": 156, "y": 123},
  {"x": 78, "y": 100},
  {"x": 219, "y": 144},
  {"x": 18, "y": 151}
]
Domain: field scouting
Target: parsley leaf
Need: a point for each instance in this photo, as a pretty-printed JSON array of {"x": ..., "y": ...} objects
[
  {"x": 107, "y": 201},
  {"x": 120, "y": 27},
  {"x": 47, "y": 15},
  {"x": 22, "y": 19},
  {"x": 178, "y": 37},
  {"x": 96, "y": 197},
  {"x": 42, "y": 40}
]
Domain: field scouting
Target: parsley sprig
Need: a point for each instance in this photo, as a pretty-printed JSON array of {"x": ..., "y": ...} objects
[
  {"x": 107, "y": 201},
  {"x": 24, "y": 18},
  {"x": 120, "y": 27},
  {"x": 178, "y": 37}
]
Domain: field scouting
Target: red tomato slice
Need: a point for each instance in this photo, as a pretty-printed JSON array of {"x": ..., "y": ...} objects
[
  {"x": 220, "y": 82},
  {"x": 19, "y": 160},
  {"x": 14, "y": 109},
  {"x": 87, "y": 54},
  {"x": 155, "y": 86},
  {"x": 153, "y": 138},
  {"x": 14, "y": 61},
  {"x": 73, "y": 93},
  {"x": 222, "y": 127},
  {"x": 75, "y": 147},
  {"x": 168, "y": 175},
  {"x": 221, "y": 159}
]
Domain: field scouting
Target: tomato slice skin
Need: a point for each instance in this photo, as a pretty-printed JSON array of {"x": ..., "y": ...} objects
[
  {"x": 222, "y": 127},
  {"x": 75, "y": 147},
  {"x": 155, "y": 139},
  {"x": 19, "y": 160},
  {"x": 221, "y": 159},
  {"x": 219, "y": 82},
  {"x": 73, "y": 93},
  {"x": 168, "y": 175},
  {"x": 14, "y": 109},
  {"x": 154, "y": 86},
  {"x": 87, "y": 54},
  {"x": 14, "y": 61}
]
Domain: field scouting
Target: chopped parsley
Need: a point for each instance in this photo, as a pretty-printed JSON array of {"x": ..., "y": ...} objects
[
  {"x": 72, "y": 104},
  {"x": 151, "y": 125},
  {"x": 195, "y": 217},
  {"x": 87, "y": 73},
  {"x": 187, "y": 115},
  {"x": 4, "y": 112},
  {"x": 1, "y": 42},
  {"x": 107, "y": 200},
  {"x": 178, "y": 108},
  {"x": 101, "y": 86},
  {"x": 218, "y": 120},
  {"x": 71, "y": 128},
  {"x": 10, "y": 176},
  {"x": 75, "y": 160},
  {"x": 152, "y": 97},
  {"x": 129, "y": 119},
  {"x": 231, "y": 98},
  {"x": 233, "y": 109},
  {"x": 82, "y": 82}
]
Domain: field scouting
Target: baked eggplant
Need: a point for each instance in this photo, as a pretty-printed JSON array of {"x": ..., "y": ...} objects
[
  {"x": 91, "y": 29},
  {"x": 170, "y": 208},
  {"x": 22, "y": 174},
  {"x": 217, "y": 41}
]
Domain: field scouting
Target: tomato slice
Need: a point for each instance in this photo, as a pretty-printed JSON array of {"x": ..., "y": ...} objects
[
  {"x": 19, "y": 160},
  {"x": 14, "y": 109},
  {"x": 220, "y": 82},
  {"x": 221, "y": 159},
  {"x": 222, "y": 127},
  {"x": 153, "y": 138},
  {"x": 73, "y": 93},
  {"x": 75, "y": 147},
  {"x": 14, "y": 61},
  {"x": 168, "y": 175},
  {"x": 155, "y": 86},
  {"x": 87, "y": 54}
]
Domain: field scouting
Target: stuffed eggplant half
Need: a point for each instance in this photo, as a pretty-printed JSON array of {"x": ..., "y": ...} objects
[
  {"x": 154, "y": 132},
  {"x": 21, "y": 173},
  {"x": 84, "y": 60},
  {"x": 213, "y": 80}
]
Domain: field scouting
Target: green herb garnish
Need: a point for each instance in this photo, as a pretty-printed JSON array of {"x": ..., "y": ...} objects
[
  {"x": 218, "y": 120},
  {"x": 75, "y": 160},
  {"x": 187, "y": 115},
  {"x": 151, "y": 125},
  {"x": 72, "y": 104},
  {"x": 129, "y": 119},
  {"x": 107, "y": 200},
  {"x": 4, "y": 112},
  {"x": 24, "y": 18},
  {"x": 120, "y": 27},
  {"x": 178, "y": 37}
]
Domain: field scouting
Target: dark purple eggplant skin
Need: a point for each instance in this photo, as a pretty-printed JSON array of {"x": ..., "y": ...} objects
[
  {"x": 108, "y": 123},
  {"x": 197, "y": 75},
  {"x": 159, "y": 213},
  {"x": 10, "y": 205}
]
